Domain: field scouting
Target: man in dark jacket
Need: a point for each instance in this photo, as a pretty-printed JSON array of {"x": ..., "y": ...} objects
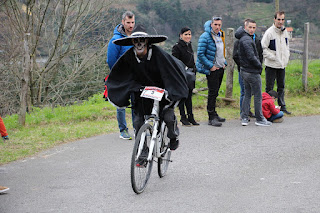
[
  {"x": 147, "y": 65},
  {"x": 236, "y": 59},
  {"x": 250, "y": 71}
]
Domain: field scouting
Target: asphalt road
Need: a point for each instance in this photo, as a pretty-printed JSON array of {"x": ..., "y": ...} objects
[{"x": 227, "y": 169}]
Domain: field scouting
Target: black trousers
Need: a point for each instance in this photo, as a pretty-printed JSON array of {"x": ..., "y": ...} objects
[
  {"x": 143, "y": 106},
  {"x": 272, "y": 75},
  {"x": 214, "y": 81},
  {"x": 186, "y": 104}
]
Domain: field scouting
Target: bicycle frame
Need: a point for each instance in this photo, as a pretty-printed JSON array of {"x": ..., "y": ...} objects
[{"x": 155, "y": 140}]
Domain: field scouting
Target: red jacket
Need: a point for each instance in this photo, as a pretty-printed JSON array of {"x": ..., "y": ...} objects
[
  {"x": 268, "y": 107},
  {"x": 105, "y": 94}
]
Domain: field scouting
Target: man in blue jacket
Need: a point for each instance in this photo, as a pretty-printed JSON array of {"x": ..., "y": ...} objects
[
  {"x": 211, "y": 61},
  {"x": 114, "y": 53}
]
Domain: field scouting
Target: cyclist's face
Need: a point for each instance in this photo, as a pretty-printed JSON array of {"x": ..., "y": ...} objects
[{"x": 140, "y": 45}]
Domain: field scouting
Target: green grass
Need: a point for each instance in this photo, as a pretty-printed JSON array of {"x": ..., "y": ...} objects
[
  {"x": 48, "y": 127},
  {"x": 256, "y": 10}
]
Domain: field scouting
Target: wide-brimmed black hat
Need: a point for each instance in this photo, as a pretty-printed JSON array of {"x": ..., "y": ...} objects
[{"x": 140, "y": 33}]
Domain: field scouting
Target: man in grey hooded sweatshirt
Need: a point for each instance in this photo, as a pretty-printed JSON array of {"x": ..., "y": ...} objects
[{"x": 250, "y": 72}]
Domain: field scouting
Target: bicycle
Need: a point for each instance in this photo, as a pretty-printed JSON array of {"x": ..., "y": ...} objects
[{"x": 151, "y": 142}]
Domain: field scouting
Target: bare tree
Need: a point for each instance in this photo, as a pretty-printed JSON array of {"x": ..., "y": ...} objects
[{"x": 49, "y": 47}]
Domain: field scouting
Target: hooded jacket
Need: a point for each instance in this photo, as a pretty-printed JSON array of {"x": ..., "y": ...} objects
[
  {"x": 236, "y": 56},
  {"x": 207, "y": 50},
  {"x": 248, "y": 54},
  {"x": 275, "y": 44},
  {"x": 268, "y": 107},
  {"x": 115, "y": 51}
]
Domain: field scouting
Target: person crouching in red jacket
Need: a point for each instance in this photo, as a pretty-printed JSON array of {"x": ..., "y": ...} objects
[{"x": 270, "y": 111}]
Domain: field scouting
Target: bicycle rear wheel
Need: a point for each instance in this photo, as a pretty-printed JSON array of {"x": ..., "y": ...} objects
[
  {"x": 140, "y": 167},
  {"x": 164, "y": 160}
]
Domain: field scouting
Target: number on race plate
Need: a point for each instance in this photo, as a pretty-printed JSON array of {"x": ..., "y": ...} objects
[{"x": 154, "y": 93}]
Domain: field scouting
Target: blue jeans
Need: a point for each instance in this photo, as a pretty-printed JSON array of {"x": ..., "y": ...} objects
[
  {"x": 241, "y": 91},
  {"x": 252, "y": 86},
  {"x": 121, "y": 116},
  {"x": 273, "y": 117}
]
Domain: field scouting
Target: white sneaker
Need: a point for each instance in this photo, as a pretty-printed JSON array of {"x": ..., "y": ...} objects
[
  {"x": 263, "y": 123},
  {"x": 3, "y": 189},
  {"x": 245, "y": 122}
]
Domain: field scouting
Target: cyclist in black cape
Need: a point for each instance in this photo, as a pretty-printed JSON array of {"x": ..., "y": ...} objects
[{"x": 148, "y": 65}]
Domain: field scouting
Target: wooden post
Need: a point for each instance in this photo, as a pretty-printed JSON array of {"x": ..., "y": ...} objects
[
  {"x": 305, "y": 57},
  {"x": 230, "y": 67},
  {"x": 277, "y": 5}
]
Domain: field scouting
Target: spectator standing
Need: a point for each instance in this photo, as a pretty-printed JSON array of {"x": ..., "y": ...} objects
[
  {"x": 275, "y": 44},
  {"x": 114, "y": 53},
  {"x": 211, "y": 62},
  {"x": 250, "y": 71},
  {"x": 237, "y": 61},
  {"x": 3, "y": 130},
  {"x": 183, "y": 51},
  {"x": 270, "y": 111}
]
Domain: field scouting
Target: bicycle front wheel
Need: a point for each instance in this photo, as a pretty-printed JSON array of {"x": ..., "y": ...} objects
[
  {"x": 164, "y": 160},
  {"x": 140, "y": 167}
]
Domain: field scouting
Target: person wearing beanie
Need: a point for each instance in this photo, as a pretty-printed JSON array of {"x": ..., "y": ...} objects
[
  {"x": 183, "y": 50},
  {"x": 270, "y": 111}
]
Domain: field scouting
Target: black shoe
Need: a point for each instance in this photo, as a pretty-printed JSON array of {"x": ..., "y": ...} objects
[
  {"x": 191, "y": 120},
  {"x": 174, "y": 143},
  {"x": 220, "y": 119},
  {"x": 185, "y": 121},
  {"x": 142, "y": 160},
  {"x": 286, "y": 111},
  {"x": 251, "y": 114},
  {"x": 214, "y": 122}
]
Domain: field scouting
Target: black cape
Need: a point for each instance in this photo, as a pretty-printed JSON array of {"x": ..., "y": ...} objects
[{"x": 162, "y": 70}]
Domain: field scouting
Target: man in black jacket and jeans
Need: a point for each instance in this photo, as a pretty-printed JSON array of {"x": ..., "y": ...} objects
[
  {"x": 250, "y": 71},
  {"x": 236, "y": 59}
]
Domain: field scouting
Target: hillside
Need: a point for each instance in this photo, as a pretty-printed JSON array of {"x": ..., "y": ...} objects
[{"x": 170, "y": 15}]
